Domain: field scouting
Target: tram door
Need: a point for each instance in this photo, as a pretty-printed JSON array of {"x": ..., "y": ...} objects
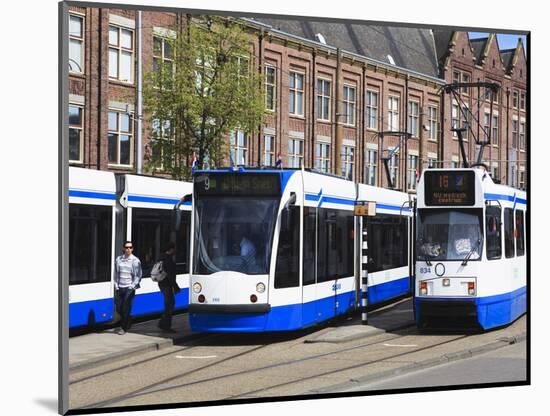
[{"x": 309, "y": 279}]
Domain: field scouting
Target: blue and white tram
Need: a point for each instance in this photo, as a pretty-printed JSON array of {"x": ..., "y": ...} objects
[
  {"x": 471, "y": 252},
  {"x": 276, "y": 250},
  {"x": 92, "y": 219},
  {"x": 105, "y": 209}
]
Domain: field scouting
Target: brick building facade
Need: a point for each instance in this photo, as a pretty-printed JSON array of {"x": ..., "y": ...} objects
[{"x": 328, "y": 95}]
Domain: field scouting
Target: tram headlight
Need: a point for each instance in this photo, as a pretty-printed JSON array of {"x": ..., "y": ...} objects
[
  {"x": 423, "y": 288},
  {"x": 197, "y": 288},
  {"x": 260, "y": 288},
  {"x": 471, "y": 288}
]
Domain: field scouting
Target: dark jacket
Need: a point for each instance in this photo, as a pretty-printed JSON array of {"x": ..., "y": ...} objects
[{"x": 170, "y": 268}]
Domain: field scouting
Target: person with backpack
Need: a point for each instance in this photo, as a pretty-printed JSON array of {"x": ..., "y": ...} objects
[
  {"x": 127, "y": 275},
  {"x": 164, "y": 272}
]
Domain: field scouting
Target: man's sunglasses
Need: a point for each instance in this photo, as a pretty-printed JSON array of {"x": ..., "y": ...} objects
[{"x": 128, "y": 247}]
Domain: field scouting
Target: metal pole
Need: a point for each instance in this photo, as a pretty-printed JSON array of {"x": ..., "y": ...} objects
[{"x": 364, "y": 273}]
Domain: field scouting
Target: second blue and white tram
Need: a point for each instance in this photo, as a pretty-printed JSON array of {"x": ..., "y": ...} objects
[
  {"x": 471, "y": 252},
  {"x": 278, "y": 250},
  {"x": 105, "y": 209}
]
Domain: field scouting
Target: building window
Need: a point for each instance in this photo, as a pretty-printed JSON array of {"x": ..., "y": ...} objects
[
  {"x": 432, "y": 122},
  {"x": 522, "y": 179},
  {"x": 348, "y": 105},
  {"x": 465, "y": 79},
  {"x": 412, "y": 171},
  {"x": 270, "y": 88},
  {"x": 393, "y": 113},
  {"x": 76, "y": 44},
  {"x": 296, "y": 94},
  {"x": 162, "y": 140},
  {"x": 372, "y": 110},
  {"x": 514, "y": 176},
  {"x": 121, "y": 53},
  {"x": 486, "y": 118},
  {"x": 295, "y": 153},
  {"x": 432, "y": 163},
  {"x": 494, "y": 137},
  {"x": 76, "y": 142},
  {"x": 393, "y": 165},
  {"x": 348, "y": 161},
  {"x": 455, "y": 164},
  {"x": 465, "y": 118},
  {"x": 371, "y": 166},
  {"x": 454, "y": 118},
  {"x": 522, "y": 136},
  {"x": 413, "y": 118},
  {"x": 515, "y": 99},
  {"x": 238, "y": 143},
  {"x": 515, "y": 134},
  {"x": 522, "y": 101},
  {"x": 322, "y": 157},
  {"x": 120, "y": 138},
  {"x": 456, "y": 77},
  {"x": 323, "y": 99},
  {"x": 162, "y": 54},
  {"x": 495, "y": 172},
  {"x": 269, "y": 150}
]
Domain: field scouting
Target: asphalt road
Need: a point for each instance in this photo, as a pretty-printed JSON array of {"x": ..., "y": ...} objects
[{"x": 507, "y": 364}]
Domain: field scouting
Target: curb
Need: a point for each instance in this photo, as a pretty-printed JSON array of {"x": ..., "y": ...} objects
[
  {"x": 421, "y": 365},
  {"x": 128, "y": 353}
]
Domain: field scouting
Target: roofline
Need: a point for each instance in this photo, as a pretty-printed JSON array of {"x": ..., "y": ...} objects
[{"x": 343, "y": 51}]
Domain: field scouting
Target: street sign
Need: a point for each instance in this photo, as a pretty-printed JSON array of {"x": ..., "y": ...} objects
[{"x": 365, "y": 208}]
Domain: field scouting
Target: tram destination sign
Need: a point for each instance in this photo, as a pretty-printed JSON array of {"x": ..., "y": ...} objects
[
  {"x": 442, "y": 188},
  {"x": 237, "y": 184}
]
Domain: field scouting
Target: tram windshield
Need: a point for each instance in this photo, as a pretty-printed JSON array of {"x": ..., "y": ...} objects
[
  {"x": 234, "y": 234},
  {"x": 449, "y": 234}
]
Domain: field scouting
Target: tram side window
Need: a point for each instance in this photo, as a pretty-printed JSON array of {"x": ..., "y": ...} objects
[
  {"x": 493, "y": 232},
  {"x": 288, "y": 253},
  {"x": 335, "y": 244},
  {"x": 387, "y": 235},
  {"x": 90, "y": 242},
  {"x": 508, "y": 232},
  {"x": 310, "y": 239},
  {"x": 152, "y": 230},
  {"x": 520, "y": 234}
]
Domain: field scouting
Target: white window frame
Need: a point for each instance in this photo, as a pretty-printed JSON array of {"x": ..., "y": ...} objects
[
  {"x": 79, "y": 39},
  {"x": 522, "y": 135},
  {"x": 414, "y": 118},
  {"x": 371, "y": 166},
  {"x": 348, "y": 162},
  {"x": 393, "y": 166},
  {"x": 432, "y": 122},
  {"x": 393, "y": 112},
  {"x": 273, "y": 85},
  {"x": 119, "y": 49},
  {"x": 455, "y": 117},
  {"x": 80, "y": 129},
  {"x": 269, "y": 151},
  {"x": 295, "y": 159},
  {"x": 495, "y": 133},
  {"x": 348, "y": 105},
  {"x": 160, "y": 133},
  {"x": 322, "y": 159},
  {"x": 465, "y": 79},
  {"x": 515, "y": 99},
  {"x": 522, "y": 97},
  {"x": 515, "y": 134},
  {"x": 119, "y": 133},
  {"x": 237, "y": 152},
  {"x": 411, "y": 171},
  {"x": 162, "y": 57},
  {"x": 324, "y": 85},
  {"x": 299, "y": 112},
  {"x": 372, "y": 109}
]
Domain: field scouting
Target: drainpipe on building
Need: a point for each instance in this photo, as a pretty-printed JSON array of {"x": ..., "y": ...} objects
[
  {"x": 338, "y": 132},
  {"x": 508, "y": 168},
  {"x": 139, "y": 136},
  {"x": 313, "y": 118}
]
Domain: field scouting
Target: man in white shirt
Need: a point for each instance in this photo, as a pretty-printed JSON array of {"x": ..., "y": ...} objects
[{"x": 127, "y": 276}]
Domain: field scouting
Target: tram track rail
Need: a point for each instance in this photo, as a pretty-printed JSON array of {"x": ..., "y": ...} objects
[{"x": 157, "y": 387}]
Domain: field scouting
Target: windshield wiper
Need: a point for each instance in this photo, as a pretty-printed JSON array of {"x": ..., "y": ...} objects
[{"x": 467, "y": 258}]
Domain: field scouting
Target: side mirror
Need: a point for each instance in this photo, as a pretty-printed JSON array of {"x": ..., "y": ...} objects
[{"x": 176, "y": 212}]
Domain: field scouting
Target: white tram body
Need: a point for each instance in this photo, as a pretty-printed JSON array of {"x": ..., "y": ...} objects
[
  {"x": 471, "y": 250},
  {"x": 105, "y": 209},
  {"x": 278, "y": 250}
]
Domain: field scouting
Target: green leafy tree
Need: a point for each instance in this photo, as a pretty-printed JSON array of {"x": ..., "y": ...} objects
[{"x": 203, "y": 85}]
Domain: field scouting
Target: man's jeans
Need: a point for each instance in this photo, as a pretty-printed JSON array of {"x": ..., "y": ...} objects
[{"x": 123, "y": 301}]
